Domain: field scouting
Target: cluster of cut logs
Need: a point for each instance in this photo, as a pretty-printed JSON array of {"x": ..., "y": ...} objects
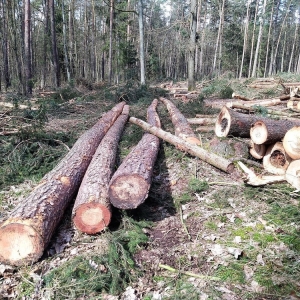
[
  {"x": 87, "y": 170},
  {"x": 276, "y": 142}
]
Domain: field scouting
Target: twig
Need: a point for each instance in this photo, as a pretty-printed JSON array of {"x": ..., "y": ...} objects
[
  {"x": 188, "y": 273},
  {"x": 183, "y": 224}
]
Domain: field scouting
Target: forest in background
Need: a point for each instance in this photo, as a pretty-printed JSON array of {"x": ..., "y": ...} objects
[{"x": 47, "y": 43}]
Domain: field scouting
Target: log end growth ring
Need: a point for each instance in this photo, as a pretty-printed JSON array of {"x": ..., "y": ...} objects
[
  {"x": 259, "y": 132},
  {"x": 92, "y": 217},
  {"x": 291, "y": 142},
  {"x": 128, "y": 191},
  {"x": 222, "y": 125},
  {"x": 19, "y": 244}
]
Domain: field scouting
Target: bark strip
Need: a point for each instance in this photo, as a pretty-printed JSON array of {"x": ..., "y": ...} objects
[
  {"x": 131, "y": 182},
  {"x": 92, "y": 211},
  {"x": 28, "y": 230},
  {"x": 181, "y": 125},
  {"x": 211, "y": 158}
]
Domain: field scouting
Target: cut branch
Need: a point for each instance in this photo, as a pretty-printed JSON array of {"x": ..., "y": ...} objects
[
  {"x": 213, "y": 159},
  {"x": 28, "y": 230},
  {"x": 131, "y": 182},
  {"x": 92, "y": 211}
]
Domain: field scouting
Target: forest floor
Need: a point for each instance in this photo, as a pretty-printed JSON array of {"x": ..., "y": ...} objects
[{"x": 200, "y": 234}]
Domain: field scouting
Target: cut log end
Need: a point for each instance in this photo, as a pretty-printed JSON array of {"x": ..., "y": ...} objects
[
  {"x": 128, "y": 191},
  {"x": 292, "y": 174},
  {"x": 92, "y": 217},
  {"x": 19, "y": 244},
  {"x": 291, "y": 142},
  {"x": 259, "y": 133},
  {"x": 222, "y": 125},
  {"x": 257, "y": 151}
]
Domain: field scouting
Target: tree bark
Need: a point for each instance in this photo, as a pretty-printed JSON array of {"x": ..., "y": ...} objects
[
  {"x": 230, "y": 122},
  {"x": 211, "y": 158},
  {"x": 141, "y": 34},
  {"x": 276, "y": 160},
  {"x": 131, "y": 182},
  {"x": 181, "y": 125},
  {"x": 291, "y": 142},
  {"x": 26, "y": 233},
  {"x": 92, "y": 211},
  {"x": 268, "y": 131}
]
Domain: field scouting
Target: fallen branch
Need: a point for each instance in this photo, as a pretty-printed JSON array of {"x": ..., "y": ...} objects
[
  {"x": 213, "y": 159},
  {"x": 258, "y": 180},
  {"x": 166, "y": 267},
  {"x": 202, "y": 121}
]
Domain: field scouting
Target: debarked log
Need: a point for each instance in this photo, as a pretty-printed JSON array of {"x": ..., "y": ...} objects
[
  {"x": 181, "y": 125},
  {"x": 28, "y": 230},
  {"x": 92, "y": 211},
  {"x": 211, "y": 158},
  {"x": 268, "y": 131},
  {"x": 230, "y": 122},
  {"x": 130, "y": 184}
]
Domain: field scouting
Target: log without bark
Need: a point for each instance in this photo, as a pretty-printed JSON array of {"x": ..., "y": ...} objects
[
  {"x": 291, "y": 142},
  {"x": 230, "y": 122},
  {"x": 213, "y": 159},
  {"x": 202, "y": 121},
  {"x": 276, "y": 160},
  {"x": 269, "y": 131},
  {"x": 131, "y": 182},
  {"x": 292, "y": 174},
  {"x": 28, "y": 230},
  {"x": 181, "y": 125},
  {"x": 257, "y": 151},
  {"x": 205, "y": 129},
  {"x": 92, "y": 211},
  {"x": 236, "y": 96}
]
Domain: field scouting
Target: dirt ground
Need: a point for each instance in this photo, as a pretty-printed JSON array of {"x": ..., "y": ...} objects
[{"x": 212, "y": 236}]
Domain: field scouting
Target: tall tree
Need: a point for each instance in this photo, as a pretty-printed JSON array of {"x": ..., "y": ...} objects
[
  {"x": 5, "y": 46},
  {"x": 192, "y": 46},
  {"x": 141, "y": 35},
  {"x": 27, "y": 47}
]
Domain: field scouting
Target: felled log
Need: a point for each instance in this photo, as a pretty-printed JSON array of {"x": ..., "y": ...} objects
[
  {"x": 213, "y": 159},
  {"x": 230, "y": 122},
  {"x": 205, "y": 129},
  {"x": 28, "y": 230},
  {"x": 181, "y": 125},
  {"x": 252, "y": 103},
  {"x": 294, "y": 104},
  {"x": 92, "y": 211},
  {"x": 205, "y": 116},
  {"x": 258, "y": 180},
  {"x": 202, "y": 121},
  {"x": 291, "y": 142},
  {"x": 257, "y": 151},
  {"x": 236, "y": 96},
  {"x": 20, "y": 106},
  {"x": 130, "y": 184},
  {"x": 263, "y": 86},
  {"x": 284, "y": 97},
  {"x": 276, "y": 160},
  {"x": 292, "y": 174},
  {"x": 269, "y": 131}
]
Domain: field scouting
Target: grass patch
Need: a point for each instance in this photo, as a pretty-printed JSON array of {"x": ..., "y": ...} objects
[{"x": 234, "y": 273}]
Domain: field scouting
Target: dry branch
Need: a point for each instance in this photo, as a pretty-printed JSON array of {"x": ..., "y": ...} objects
[
  {"x": 213, "y": 159},
  {"x": 131, "y": 182},
  {"x": 92, "y": 212},
  {"x": 181, "y": 125},
  {"x": 28, "y": 230}
]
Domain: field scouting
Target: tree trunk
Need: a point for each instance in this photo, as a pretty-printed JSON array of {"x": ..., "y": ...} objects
[
  {"x": 27, "y": 47},
  {"x": 55, "y": 61},
  {"x": 292, "y": 174},
  {"x": 66, "y": 59},
  {"x": 211, "y": 158},
  {"x": 92, "y": 211},
  {"x": 181, "y": 125},
  {"x": 276, "y": 160},
  {"x": 26, "y": 233},
  {"x": 257, "y": 151},
  {"x": 202, "y": 121},
  {"x": 291, "y": 142},
  {"x": 110, "y": 40},
  {"x": 268, "y": 131},
  {"x": 192, "y": 46},
  {"x": 5, "y": 46},
  {"x": 141, "y": 34},
  {"x": 131, "y": 182},
  {"x": 232, "y": 123}
]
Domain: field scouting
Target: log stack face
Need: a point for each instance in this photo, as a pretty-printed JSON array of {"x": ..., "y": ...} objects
[
  {"x": 24, "y": 236},
  {"x": 91, "y": 211},
  {"x": 130, "y": 184}
]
